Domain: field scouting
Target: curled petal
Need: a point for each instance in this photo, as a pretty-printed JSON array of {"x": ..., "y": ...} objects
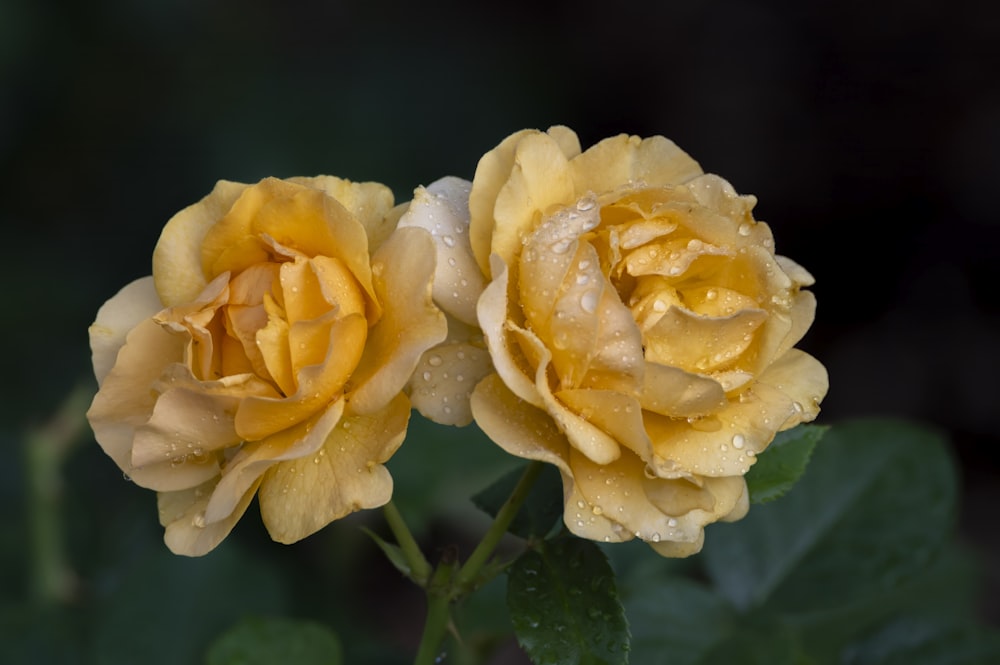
[
  {"x": 300, "y": 496},
  {"x": 249, "y": 464},
  {"x": 442, "y": 209},
  {"x": 803, "y": 379},
  {"x": 630, "y": 160},
  {"x": 119, "y": 315},
  {"x": 411, "y": 323},
  {"x": 182, "y": 512},
  {"x": 508, "y": 359},
  {"x": 442, "y": 382},
  {"x": 177, "y": 259}
]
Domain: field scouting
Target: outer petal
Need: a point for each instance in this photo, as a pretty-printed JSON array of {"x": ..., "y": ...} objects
[
  {"x": 368, "y": 202},
  {"x": 492, "y": 312},
  {"x": 119, "y": 315},
  {"x": 631, "y": 161},
  {"x": 183, "y": 514},
  {"x": 301, "y": 496},
  {"x": 249, "y": 464},
  {"x": 443, "y": 209},
  {"x": 492, "y": 172},
  {"x": 411, "y": 324},
  {"x": 442, "y": 383},
  {"x": 803, "y": 379},
  {"x": 516, "y": 426},
  {"x": 125, "y": 400},
  {"x": 177, "y": 267}
]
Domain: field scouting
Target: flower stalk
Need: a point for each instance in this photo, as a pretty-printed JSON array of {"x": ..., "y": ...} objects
[
  {"x": 46, "y": 448},
  {"x": 449, "y": 583}
]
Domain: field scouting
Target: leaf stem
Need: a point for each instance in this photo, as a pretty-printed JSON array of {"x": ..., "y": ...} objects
[
  {"x": 470, "y": 570},
  {"x": 419, "y": 567}
]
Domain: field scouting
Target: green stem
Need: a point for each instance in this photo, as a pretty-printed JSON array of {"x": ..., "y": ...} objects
[
  {"x": 419, "y": 567},
  {"x": 46, "y": 448},
  {"x": 468, "y": 573},
  {"x": 446, "y": 585},
  {"x": 438, "y": 611}
]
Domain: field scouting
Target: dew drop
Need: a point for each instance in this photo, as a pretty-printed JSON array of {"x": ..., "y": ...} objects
[
  {"x": 744, "y": 229},
  {"x": 452, "y": 261},
  {"x": 434, "y": 361},
  {"x": 448, "y": 240},
  {"x": 739, "y": 441},
  {"x": 427, "y": 376},
  {"x": 198, "y": 521},
  {"x": 561, "y": 246},
  {"x": 588, "y": 302}
]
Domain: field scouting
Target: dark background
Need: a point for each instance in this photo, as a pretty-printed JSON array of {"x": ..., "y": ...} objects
[{"x": 869, "y": 131}]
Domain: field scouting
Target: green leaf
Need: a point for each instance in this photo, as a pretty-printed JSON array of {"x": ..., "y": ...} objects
[
  {"x": 780, "y": 466},
  {"x": 913, "y": 640},
  {"x": 393, "y": 552},
  {"x": 259, "y": 641},
  {"x": 539, "y": 512},
  {"x": 875, "y": 506},
  {"x": 565, "y": 607},
  {"x": 677, "y": 621}
]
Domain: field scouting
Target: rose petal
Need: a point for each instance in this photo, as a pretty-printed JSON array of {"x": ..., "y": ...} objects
[
  {"x": 516, "y": 426},
  {"x": 722, "y": 444},
  {"x": 368, "y": 202},
  {"x": 684, "y": 339},
  {"x": 442, "y": 382},
  {"x": 299, "y": 497},
  {"x": 119, "y": 315},
  {"x": 492, "y": 175},
  {"x": 507, "y": 358},
  {"x": 256, "y": 457},
  {"x": 803, "y": 379},
  {"x": 443, "y": 209},
  {"x": 259, "y": 417},
  {"x": 411, "y": 324},
  {"x": 119, "y": 407},
  {"x": 617, "y": 414},
  {"x": 177, "y": 258},
  {"x": 539, "y": 179},
  {"x": 671, "y": 391},
  {"x": 183, "y": 515},
  {"x": 630, "y": 160}
]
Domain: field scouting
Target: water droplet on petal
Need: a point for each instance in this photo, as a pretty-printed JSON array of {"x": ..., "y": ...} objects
[
  {"x": 744, "y": 229},
  {"x": 739, "y": 441},
  {"x": 434, "y": 361},
  {"x": 588, "y": 302}
]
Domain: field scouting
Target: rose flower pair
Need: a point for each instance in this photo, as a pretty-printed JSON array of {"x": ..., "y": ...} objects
[{"x": 615, "y": 312}]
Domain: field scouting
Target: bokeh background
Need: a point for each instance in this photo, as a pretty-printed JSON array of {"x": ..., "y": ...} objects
[{"x": 869, "y": 131}]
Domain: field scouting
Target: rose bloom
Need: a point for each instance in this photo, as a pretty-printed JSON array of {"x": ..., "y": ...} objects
[
  {"x": 266, "y": 354},
  {"x": 640, "y": 325}
]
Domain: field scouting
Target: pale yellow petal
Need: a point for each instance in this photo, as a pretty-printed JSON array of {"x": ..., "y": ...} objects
[
  {"x": 318, "y": 385},
  {"x": 300, "y": 496},
  {"x": 255, "y": 457},
  {"x": 183, "y": 514},
  {"x": 724, "y": 443},
  {"x": 696, "y": 343},
  {"x": 799, "y": 275},
  {"x": 125, "y": 400},
  {"x": 442, "y": 382},
  {"x": 442, "y": 208},
  {"x": 516, "y": 426},
  {"x": 617, "y": 414},
  {"x": 631, "y": 161},
  {"x": 119, "y": 315},
  {"x": 177, "y": 258},
  {"x": 411, "y": 323},
  {"x": 507, "y": 358},
  {"x": 369, "y": 202},
  {"x": 671, "y": 391},
  {"x": 803, "y": 379}
]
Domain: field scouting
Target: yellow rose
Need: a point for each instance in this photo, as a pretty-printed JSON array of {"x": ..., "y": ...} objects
[
  {"x": 641, "y": 328},
  {"x": 266, "y": 354}
]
